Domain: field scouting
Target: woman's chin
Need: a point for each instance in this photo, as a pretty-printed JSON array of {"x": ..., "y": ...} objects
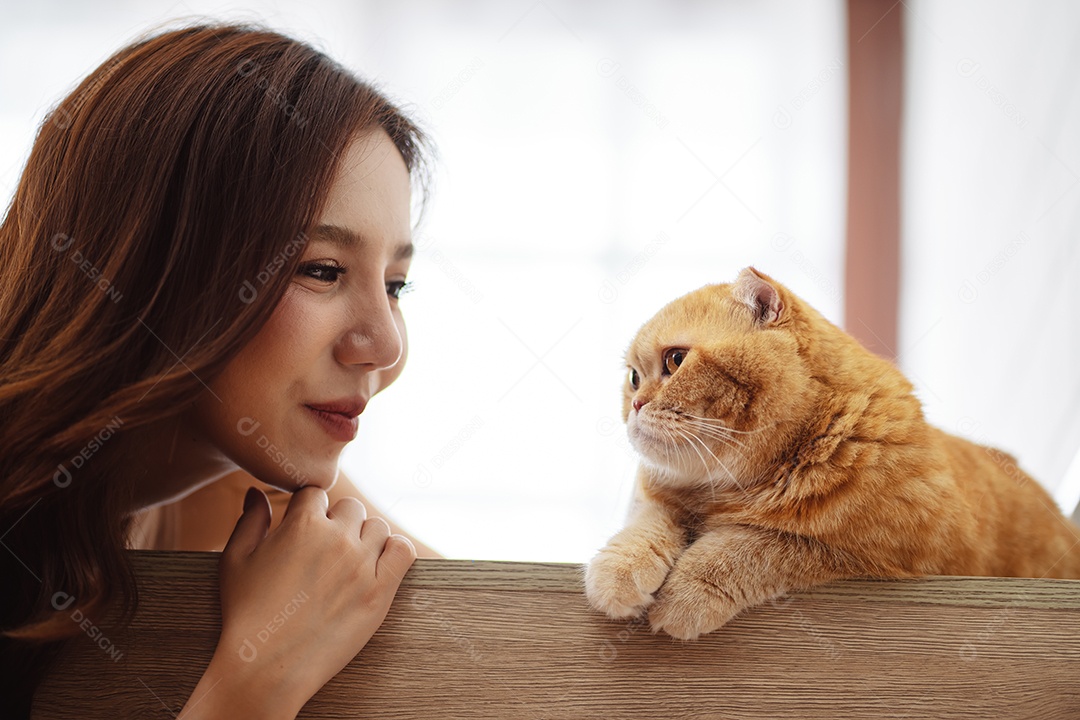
[{"x": 293, "y": 479}]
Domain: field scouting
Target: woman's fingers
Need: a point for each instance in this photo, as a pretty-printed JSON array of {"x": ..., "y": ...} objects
[
  {"x": 350, "y": 510},
  {"x": 307, "y": 499},
  {"x": 374, "y": 533},
  {"x": 397, "y": 557},
  {"x": 345, "y": 569},
  {"x": 251, "y": 528}
]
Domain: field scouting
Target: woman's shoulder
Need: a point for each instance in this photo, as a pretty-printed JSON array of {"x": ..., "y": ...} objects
[
  {"x": 146, "y": 529},
  {"x": 202, "y": 520},
  {"x": 344, "y": 487}
]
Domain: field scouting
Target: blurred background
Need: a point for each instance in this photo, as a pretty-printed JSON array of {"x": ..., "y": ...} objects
[{"x": 910, "y": 168}]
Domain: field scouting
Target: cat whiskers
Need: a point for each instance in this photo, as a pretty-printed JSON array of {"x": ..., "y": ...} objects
[
  {"x": 669, "y": 438},
  {"x": 692, "y": 437},
  {"x": 715, "y": 432},
  {"x": 705, "y": 465},
  {"x": 690, "y": 440},
  {"x": 719, "y": 424},
  {"x": 711, "y": 427}
]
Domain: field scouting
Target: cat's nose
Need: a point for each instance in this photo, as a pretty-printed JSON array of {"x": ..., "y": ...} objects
[{"x": 638, "y": 404}]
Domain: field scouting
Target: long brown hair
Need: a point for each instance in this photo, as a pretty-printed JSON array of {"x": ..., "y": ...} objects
[{"x": 147, "y": 242}]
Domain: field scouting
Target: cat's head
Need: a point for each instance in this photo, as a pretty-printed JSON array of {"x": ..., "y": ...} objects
[{"x": 717, "y": 380}]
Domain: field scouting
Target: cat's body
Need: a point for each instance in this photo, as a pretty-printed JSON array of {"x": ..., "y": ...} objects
[{"x": 778, "y": 453}]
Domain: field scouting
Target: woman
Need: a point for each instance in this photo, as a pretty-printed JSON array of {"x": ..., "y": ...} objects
[{"x": 199, "y": 273}]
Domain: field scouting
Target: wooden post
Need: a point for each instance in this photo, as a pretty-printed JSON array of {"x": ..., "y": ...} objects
[{"x": 875, "y": 102}]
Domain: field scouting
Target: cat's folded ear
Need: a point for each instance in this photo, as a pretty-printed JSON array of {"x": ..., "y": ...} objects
[{"x": 758, "y": 292}]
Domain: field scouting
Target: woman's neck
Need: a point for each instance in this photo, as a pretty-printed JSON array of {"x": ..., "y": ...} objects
[{"x": 165, "y": 461}]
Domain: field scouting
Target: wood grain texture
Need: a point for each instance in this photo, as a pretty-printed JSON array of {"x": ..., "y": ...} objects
[{"x": 517, "y": 640}]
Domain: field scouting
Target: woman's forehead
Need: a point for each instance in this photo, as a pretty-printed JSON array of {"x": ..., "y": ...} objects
[{"x": 369, "y": 202}]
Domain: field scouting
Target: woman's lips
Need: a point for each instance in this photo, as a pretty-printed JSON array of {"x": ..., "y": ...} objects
[{"x": 336, "y": 425}]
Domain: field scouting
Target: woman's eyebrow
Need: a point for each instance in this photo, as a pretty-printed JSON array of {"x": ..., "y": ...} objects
[{"x": 348, "y": 238}]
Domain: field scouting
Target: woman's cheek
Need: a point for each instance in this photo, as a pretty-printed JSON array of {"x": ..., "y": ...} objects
[{"x": 270, "y": 378}]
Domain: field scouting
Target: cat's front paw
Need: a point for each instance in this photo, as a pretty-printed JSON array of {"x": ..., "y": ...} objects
[
  {"x": 687, "y": 607},
  {"x": 621, "y": 583}
]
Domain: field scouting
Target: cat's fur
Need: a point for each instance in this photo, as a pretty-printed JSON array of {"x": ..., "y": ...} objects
[{"x": 781, "y": 454}]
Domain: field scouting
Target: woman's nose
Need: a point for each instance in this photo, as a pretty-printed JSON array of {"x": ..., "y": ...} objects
[{"x": 374, "y": 338}]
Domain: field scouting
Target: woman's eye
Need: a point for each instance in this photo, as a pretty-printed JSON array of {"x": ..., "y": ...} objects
[
  {"x": 635, "y": 380},
  {"x": 673, "y": 358},
  {"x": 397, "y": 288},
  {"x": 324, "y": 272}
]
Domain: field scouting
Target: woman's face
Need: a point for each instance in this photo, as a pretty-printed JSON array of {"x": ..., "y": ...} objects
[{"x": 336, "y": 338}]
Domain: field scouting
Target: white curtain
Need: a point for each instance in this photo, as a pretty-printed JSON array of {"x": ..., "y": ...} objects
[
  {"x": 990, "y": 313},
  {"x": 597, "y": 160}
]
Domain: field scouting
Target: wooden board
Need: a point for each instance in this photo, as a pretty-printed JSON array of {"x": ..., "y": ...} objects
[{"x": 517, "y": 640}]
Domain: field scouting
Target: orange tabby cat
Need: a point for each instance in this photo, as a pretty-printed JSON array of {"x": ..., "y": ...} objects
[{"x": 778, "y": 453}]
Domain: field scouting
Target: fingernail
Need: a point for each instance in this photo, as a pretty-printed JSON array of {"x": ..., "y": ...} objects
[
  {"x": 250, "y": 497},
  {"x": 407, "y": 540}
]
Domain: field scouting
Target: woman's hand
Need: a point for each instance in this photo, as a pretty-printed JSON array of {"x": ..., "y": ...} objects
[{"x": 297, "y": 604}]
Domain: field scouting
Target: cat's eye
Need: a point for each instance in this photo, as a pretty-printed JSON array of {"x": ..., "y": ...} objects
[
  {"x": 635, "y": 380},
  {"x": 673, "y": 358}
]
